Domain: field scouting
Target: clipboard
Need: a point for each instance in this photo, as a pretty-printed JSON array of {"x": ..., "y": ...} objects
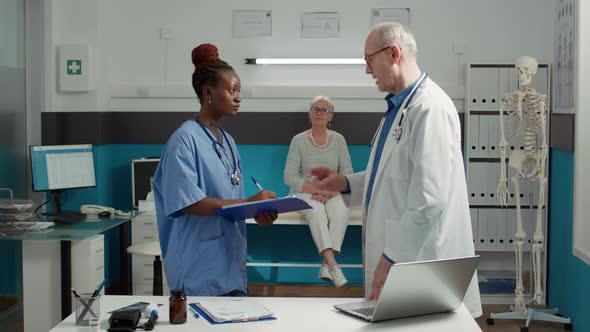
[
  {"x": 252, "y": 209},
  {"x": 203, "y": 314}
]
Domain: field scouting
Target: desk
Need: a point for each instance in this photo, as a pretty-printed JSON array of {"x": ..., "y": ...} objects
[
  {"x": 294, "y": 314},
  {"x": 39, "y": 274}
]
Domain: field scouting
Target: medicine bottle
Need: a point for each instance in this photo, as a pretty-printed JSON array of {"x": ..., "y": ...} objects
[{"x": 177, "y": 307}]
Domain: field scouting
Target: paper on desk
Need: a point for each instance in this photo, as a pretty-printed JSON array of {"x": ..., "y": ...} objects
[
  {"x": 223, "y": 310},
  {"x": 40, "y": 226},
  {"x": 26, "y": 225}
]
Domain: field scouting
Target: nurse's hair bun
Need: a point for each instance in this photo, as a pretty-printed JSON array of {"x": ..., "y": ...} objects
[
  {"x": 204, "y": 54},
  {"x": 208, "y": 68}
]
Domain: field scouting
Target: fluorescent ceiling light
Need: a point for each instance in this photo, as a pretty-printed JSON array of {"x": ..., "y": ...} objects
[{"x": 305, "y": 61}]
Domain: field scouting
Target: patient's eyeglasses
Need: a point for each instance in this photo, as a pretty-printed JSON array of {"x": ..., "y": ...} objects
[{"x": 319, "y": 110}]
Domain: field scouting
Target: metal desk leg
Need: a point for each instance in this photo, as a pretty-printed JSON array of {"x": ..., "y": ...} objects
[
  {"x": 124, "y": 256},
  {"x": 158, "y": 288},
  {"x": 66, "y": 278}
]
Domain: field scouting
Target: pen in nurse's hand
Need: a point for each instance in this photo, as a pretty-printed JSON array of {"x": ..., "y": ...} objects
[{"x": 257, "y": 184}]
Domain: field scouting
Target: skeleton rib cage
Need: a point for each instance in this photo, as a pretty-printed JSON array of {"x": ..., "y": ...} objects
[{"x": 526, "y": 117}]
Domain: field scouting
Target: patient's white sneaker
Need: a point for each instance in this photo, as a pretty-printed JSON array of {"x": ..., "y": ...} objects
[
  {"x": 338, "y": 277},
  {"x": 325, "y": 273}
]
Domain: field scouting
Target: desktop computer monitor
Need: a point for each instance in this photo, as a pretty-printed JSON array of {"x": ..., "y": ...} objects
[{"x": 59, "y": 167}]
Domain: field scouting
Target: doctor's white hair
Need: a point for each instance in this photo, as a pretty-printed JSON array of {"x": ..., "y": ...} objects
[
  {"x": 324, "y": 99},
  {"x": 392, "y": 33}
]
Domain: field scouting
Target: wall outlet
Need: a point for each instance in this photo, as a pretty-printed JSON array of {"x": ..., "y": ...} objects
[
  {"x": 143, "y": 92},
  {"x": 459, "y": 46},
  {"x": 167, "y": 32}
]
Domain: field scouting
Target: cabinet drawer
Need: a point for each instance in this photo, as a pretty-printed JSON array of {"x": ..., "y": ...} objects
[
  {"x": 147, "y": 289},
  {"x": 99, "y": 274},
  {"x": 144, "y": 222},
  {"x": 143, "y": 235},
  {"x": 143, "y": 269},
  {"x": 97, "y": 247},
  {"x": 143, "y": 264},
  {"x": 148, "y": 279}
]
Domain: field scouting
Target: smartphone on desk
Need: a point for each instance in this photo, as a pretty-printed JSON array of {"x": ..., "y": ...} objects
[{"x": 103, "y": 211}]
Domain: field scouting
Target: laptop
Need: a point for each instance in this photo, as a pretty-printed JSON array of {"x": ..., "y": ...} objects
[{"x": 418, "y": 288}]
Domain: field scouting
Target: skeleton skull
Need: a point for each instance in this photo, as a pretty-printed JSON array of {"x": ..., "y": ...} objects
[{"x": 526, "y": 67}]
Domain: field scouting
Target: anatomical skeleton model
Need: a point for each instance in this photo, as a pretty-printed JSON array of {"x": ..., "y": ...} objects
[{"x": 526, "y": 118}]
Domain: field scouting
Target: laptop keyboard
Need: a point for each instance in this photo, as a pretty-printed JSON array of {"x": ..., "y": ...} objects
[{"x": 365, "y": 311}]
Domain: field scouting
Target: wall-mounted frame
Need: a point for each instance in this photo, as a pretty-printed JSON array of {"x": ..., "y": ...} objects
[
  {"x": 565, "y": 51},
  {"x": 320, "y": 25},
  {"x": 581, "y": 229},
  {"x": 252, "y": 23},
  {"x": 380, "y": 15}
]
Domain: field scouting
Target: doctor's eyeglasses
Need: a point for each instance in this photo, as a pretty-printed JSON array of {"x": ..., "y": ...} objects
[{"x": 368, "y": 57}]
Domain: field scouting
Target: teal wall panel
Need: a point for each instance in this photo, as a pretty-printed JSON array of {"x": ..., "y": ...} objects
[
  {"x": 266, "y": 164},
  {"x": 293, "y": 244},
  {"x": 112, "y": 165},
  {"x": 113, "y": 171},
  {"x": 568, "y": 276},
  {"x": 11, "y": 274}
]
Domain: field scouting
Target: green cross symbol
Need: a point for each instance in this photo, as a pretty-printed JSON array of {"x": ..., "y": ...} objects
[{"x": 74, "y": 67}]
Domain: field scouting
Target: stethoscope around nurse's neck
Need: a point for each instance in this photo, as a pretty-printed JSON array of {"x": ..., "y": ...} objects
[
  {"x": 398, "y": 130},
  {"x": 235, "y": 177}
]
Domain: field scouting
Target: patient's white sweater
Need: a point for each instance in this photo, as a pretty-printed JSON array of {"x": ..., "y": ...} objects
[{"x": 303, "y": 155}]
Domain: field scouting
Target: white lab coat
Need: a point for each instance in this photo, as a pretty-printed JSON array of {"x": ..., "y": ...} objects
[{"x": 419, "y": 208}]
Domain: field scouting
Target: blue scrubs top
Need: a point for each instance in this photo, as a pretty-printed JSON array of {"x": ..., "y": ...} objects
[{"x": 205, "y": 255}]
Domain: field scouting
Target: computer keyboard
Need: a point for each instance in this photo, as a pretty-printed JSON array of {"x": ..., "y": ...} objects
[
  {"x": 365, "y": 311},
  {"x": 69, "y": 218}
]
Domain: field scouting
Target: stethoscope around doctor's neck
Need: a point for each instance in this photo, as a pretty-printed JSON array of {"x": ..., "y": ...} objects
[
  {"x": 234, "y": 176},
  {"x": 398, "y": 130}
]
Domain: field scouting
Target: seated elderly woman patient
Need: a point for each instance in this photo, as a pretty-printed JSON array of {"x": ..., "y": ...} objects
[{"x": 328, "y": 219}]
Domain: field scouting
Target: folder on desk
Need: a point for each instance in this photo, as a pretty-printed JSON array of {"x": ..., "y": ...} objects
[
  {"x": 237, "y": 310},
  {"x": 252, "y": 209}
]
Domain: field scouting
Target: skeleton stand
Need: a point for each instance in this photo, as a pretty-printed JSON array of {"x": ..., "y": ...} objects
[{"x": 532, "y": 313}]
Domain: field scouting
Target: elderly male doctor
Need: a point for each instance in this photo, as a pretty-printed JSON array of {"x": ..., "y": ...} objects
[{"x": 413, "y": 190}]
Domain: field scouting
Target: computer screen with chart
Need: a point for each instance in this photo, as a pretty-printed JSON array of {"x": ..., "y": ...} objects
[{"x": 59, "y": 167}]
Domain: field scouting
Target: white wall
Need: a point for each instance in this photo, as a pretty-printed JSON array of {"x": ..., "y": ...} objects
[
  {"x": 36, "y": 19},
  {"x": 11, "y": 34},
  {"x": 129, "y": 52},
  {"x": 13, "y": 147},
  {"x": 582, "y": 155}
]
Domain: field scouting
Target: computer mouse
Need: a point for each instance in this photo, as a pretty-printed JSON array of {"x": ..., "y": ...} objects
[{"x": 104, "y": 214}]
